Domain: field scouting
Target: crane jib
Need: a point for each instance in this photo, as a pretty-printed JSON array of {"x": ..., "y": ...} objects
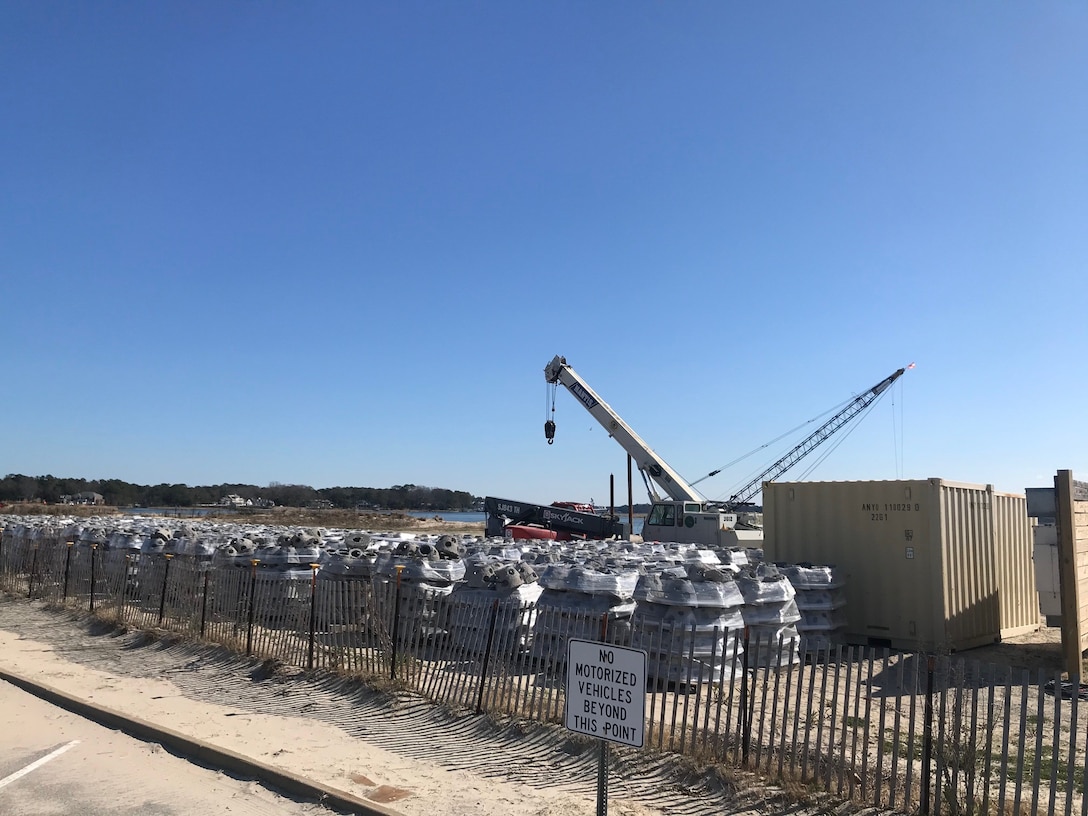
[{"x": 654, "y": 469}]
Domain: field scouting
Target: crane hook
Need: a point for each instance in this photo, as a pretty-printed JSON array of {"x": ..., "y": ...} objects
[{"x": 549, "y": 431}]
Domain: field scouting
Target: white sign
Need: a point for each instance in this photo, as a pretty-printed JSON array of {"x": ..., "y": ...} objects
[{"x": 606, "y": 691}]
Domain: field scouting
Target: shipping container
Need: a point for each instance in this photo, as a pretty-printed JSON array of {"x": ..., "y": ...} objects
[{"x": 930, "y": 565}]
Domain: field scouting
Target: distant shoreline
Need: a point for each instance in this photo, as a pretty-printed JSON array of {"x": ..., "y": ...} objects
[{"x": 280, "y": 516}]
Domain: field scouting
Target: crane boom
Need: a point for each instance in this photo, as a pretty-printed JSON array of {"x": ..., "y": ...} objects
[
  {"x": 812, "y": 441},
  {"x": 684, "y": 515},
  {"x": 652, "y": 466}
]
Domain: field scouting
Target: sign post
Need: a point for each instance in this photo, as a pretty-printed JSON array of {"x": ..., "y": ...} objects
[{"x": 605, "y": 698}]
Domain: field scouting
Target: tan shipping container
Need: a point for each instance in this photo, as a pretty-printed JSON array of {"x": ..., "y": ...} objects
[{"x": 930, "y": 565}]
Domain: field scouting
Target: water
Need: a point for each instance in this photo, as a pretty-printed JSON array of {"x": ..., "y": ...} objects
[
  {"x": 469, "y": 517},
  {"x": 480, "y": 518},
  {"x": 179, "y": 512}
]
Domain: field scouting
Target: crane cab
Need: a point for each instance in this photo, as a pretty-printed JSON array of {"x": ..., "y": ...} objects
[{"x": 689, "y": 523}]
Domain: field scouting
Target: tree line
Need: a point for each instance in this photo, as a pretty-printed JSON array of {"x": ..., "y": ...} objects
[{"x": 117, "y": 493}]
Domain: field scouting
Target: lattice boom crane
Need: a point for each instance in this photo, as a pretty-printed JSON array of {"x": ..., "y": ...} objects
[
  {"x": 685, "y": 515},
  {"x": 812, "y": 441}
]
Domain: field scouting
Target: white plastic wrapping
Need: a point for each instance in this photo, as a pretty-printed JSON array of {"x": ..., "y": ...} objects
[
  {"x": 670, "y": 589},
  {"x": 812, "y": 576},
  {"x": 619, "y": 583},
  {"x": 771, "y": 613},
  {"x": 820, "y": 599}
]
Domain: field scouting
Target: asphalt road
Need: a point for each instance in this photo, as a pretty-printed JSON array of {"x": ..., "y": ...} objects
[{"x": 84, "y": 769}]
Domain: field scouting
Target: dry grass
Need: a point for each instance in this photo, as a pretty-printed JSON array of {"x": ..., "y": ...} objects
[
  {"x": 37, "y": 509},
  {"x": 349, "y": 519},
  {"x": 281, "y": 516}
]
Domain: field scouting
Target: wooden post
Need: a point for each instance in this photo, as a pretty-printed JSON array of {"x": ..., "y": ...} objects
[
  {"x": 90, "y": 606},
  {"x": 122, "y": 596},
  {"x": 204, "y": 603},
  {"x": 162, "y": 596},
  {"x": 1070, "y": 551},
  {"x": 313, "y": 616},
  {"x": 33, "y": 569},
  {"x": 67, "y": 567},
  {"x": 396, "y": 625},
  {"x": 746, "y": 722}
]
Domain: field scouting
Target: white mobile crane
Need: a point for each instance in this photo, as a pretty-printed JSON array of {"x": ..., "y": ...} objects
[{"x": 683, "y": 514}]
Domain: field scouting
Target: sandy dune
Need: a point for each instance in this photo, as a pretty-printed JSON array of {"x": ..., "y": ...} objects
[{"x": 407, "y": 754}]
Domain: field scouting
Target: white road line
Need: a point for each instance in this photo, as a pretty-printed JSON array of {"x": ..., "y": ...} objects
[{"x": 37, "y": 764}]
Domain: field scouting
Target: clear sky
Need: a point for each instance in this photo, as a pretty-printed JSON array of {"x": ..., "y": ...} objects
[{"x": 336, "y": 243}]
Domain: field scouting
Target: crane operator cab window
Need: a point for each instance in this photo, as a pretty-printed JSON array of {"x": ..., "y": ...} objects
[{"x": 662, "y": 515}]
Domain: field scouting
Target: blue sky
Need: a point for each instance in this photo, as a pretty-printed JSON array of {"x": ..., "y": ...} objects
[{"x": 336, "y": 243}]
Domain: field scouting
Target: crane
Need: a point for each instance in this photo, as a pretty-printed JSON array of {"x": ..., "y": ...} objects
[
  {"x": 812, "y": 441},
  {"x": 685, "y": 515},
  {"x": 653, "y": 468}
]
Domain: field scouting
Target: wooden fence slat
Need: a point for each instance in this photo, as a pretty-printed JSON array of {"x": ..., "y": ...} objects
[
  {"x": 1006, "y": 731},
  {"x": 914, "y": 684},
  {"x": 956, "y": 751},
  {"x": 710, "y": 683},
  {"x": 944, "y": 682},
  {"x": 686, "y": 683},
  {"x": 1021, "y": 742},
  {"x": 807, "y": 744},
  {"x": 840, "y": 785},
  {"x": 820, "y": 752},
  {"x": 1036, "y": 765},
  {"x": 894, "y": 775},
  {"x": 1055, "y": 748},
  {"x": 773, "y": 735},
  {"x": 990, "y": 680},
  {"x": 1071, "y": 763},
  {"x": 868, "y": 720},
  {"x": 971, "y": 768}
]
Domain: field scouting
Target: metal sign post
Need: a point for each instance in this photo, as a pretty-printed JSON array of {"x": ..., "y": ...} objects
[
  {"x": 602, "y": 780},
  {"x": 605, "y": 698}
]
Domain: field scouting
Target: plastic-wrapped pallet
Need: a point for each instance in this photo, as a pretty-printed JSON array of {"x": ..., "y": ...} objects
[
  {"x": 344, "y": 581},
  {"x": 771, "y": 615},
  {"x": 820, "y": 597},
  {"x": 283, "y": 575},
  {"x": 186, "y": 543},
  {"x": 424, "y": 571},
  {"x": 433, "y": 567},
  {"x": 512, "y": 585},
  {"x": 687, "y": 618},
  {"x": 578, "y": 601}
]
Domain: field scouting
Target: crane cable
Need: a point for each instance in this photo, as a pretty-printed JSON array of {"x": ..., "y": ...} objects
[
  {"x": 854, "y": 426},
  {"x": 897, "y": 436},
  {"x": 838, "y": 441},
  {"x": 549, "y": 419},
  {"x": 778, "y": 438}
]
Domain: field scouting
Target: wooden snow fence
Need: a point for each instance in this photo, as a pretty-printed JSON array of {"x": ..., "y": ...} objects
[{"x": 908, "y": 733}]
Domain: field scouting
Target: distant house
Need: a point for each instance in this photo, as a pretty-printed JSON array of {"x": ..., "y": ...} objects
[
  {"x": 86, "y": 497},
  {"x": 234, "y": 501}
]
